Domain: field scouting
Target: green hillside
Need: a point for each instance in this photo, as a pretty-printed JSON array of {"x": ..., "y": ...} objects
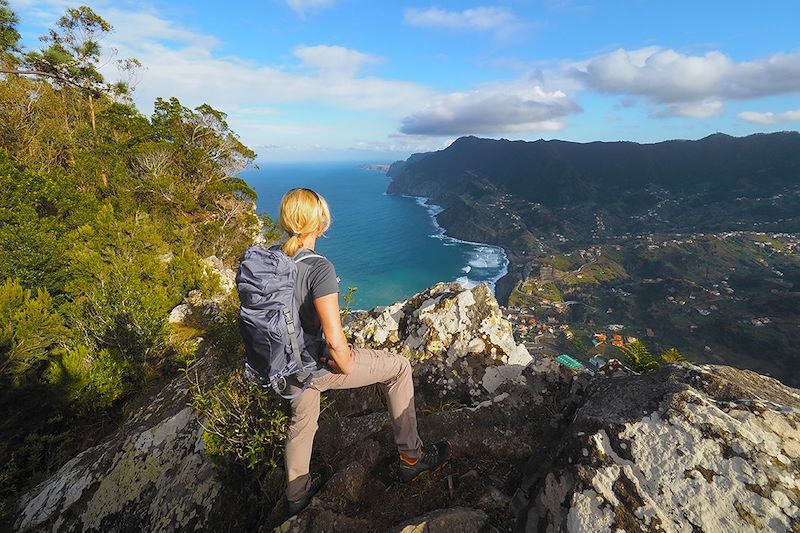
[{"x": 105, "y": 215}]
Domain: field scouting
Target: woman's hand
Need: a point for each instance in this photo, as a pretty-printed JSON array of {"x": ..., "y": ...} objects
[{"x": 327, "y": 308}]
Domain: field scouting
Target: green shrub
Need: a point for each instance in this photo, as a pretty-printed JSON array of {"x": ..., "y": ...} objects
[
  {"x": 223, "y": 334},
  {"x": 94, "y": 381},
  {"x": 245, "y": 422},
  {"x": 123, "y": 285},
  {"x": 30, "y": 332},
  {"x": 348, "y": 300}
]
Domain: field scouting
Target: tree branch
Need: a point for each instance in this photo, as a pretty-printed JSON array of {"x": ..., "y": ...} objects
[{"x": 39, "y": 73}]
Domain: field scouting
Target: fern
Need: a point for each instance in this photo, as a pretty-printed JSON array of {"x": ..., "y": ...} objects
[
  {"x": 640, "y": 357},
  {"x": 673, "y": 356}
]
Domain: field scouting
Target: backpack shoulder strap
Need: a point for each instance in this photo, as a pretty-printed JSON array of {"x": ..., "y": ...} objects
[{"x": 307, "y": 254}]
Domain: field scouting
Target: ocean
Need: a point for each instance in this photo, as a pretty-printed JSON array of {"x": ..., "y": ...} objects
[{"x": 388, "y": 247}]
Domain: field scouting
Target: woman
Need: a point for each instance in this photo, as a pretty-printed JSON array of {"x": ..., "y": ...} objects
[{"x": 305, "y": 216}]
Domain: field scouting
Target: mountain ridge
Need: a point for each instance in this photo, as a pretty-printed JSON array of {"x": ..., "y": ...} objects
[{"x": 645, "y": 207}]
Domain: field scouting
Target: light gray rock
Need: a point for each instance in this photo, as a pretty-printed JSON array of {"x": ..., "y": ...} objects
[
  {"x": 461, "y": 519},
  {"x": 684, "y": 449},
  {"x": 179, "y": 314},
  {"x": 227, "y": 277},
  {"x": 152, "y": 475},
  {"x": 458, "y": 339}
]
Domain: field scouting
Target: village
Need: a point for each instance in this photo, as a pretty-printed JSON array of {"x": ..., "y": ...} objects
[
  {"x": 546, "y": 327},
  {"x": 551, "y": 337}
]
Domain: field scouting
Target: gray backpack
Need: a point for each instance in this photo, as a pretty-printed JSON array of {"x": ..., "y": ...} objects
[{"x": 269, "y": 321}]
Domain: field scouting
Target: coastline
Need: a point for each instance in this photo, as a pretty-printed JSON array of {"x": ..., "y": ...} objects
[{"x": 441, "y": 233}]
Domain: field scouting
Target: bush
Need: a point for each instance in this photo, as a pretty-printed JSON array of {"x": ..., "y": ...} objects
[
  {"x": 245, "y": 422},
  {"x": 223, "y": 334},
  {"x": 30, "y": 332},
  {"x": 642, "y": 360},
  {"x": 124, "y": 283}
]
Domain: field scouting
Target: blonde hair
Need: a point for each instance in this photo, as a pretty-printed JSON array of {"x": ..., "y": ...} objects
[{"x": 303, "y": 212}]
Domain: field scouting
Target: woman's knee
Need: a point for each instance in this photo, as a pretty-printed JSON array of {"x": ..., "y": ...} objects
[{"x": 405, "y": 367}]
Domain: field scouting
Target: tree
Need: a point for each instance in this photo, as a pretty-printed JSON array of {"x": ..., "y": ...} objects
[
  {"x": 73, "y": 53},
  {"x": 9, "y": 36}
]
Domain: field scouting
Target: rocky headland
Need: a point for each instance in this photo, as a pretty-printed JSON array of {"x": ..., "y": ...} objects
[
  {"x": 541, "y": 197},
  {"x": 535, "y": 448}
]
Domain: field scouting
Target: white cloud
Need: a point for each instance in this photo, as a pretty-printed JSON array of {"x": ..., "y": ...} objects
[
  {"x": 492, "y": 110},
  {"x": 500, "y": 21},
  {"x": 406, "y": 144},
  {"x": 185, "y": 64},
  {"x": 770, "y": 117},
  {"x": 334, "y": 60},
  {"x": 708, "y": 107},
  {"x": 305, "y": 7},
  {"x": 686, "y": 85}
]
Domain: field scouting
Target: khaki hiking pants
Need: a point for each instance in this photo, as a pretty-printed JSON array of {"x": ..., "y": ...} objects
[{"x": 393, "y": 371}]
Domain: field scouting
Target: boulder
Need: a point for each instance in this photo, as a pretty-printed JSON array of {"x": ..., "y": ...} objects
[
  {"x": 461, "y": 519},
  {"x": 460, "y": 345},
  {"x": 686, "y": 448},
  {"x": 151, "y": 475}
]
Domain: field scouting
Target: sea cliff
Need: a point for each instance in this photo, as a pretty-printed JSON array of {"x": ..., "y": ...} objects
[{"x": 536, "y": 198}]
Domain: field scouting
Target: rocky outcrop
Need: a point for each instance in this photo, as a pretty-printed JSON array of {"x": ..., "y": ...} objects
[
  {"x": 151, "y": 475},
  {"x": 685, "y": 448},
  {"x": 490, "y": 444},
  {"x": 534, "y": 448},
  {"x": 457, "y": 339}
]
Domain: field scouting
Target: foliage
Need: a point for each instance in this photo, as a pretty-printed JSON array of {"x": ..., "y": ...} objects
[
  {"x": 348, "y": 299},
  {"x": 223, "y": 334},
  {"x": 640, "y": 357},
  {"x": 672, "y": 356},
  {"x": 244, "y": 421},
  {"x": 30, "y": 332},
  {"x": 641, "y": 360},
  {"x": 73, "y": 52},
  {"x": 105, "y": 215},
  {"x": 9, "y": 36}
]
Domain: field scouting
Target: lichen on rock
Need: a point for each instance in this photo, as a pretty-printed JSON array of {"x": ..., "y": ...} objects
[
  {"x": 687, "y": 448},
  {"x": 456, "y": 337}
]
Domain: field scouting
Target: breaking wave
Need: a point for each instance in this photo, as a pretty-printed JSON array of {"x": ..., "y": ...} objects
[{"x": 485, "y": 262}]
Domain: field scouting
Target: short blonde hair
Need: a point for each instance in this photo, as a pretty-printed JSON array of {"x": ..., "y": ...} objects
[{"x": 302, "y": 212}]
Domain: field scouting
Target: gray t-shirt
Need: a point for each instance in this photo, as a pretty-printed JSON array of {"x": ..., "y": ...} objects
[{"x": 316, "y": 277}]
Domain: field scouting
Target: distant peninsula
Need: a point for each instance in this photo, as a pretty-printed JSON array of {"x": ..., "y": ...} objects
[{"x": 377, "y": 167}]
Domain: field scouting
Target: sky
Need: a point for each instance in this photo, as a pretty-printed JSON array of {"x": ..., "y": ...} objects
[{"x": 319, "y": 80}]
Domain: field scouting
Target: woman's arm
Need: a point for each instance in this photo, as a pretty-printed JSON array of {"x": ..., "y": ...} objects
[{"x": 328, "y": 310}]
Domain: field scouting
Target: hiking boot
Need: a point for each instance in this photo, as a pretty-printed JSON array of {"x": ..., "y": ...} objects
[
  {"x": 433, "y": 457},
  {"x": 295, "y": 506}
]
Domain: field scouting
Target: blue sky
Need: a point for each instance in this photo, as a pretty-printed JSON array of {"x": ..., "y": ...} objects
[{"x": 353, "y": 79}]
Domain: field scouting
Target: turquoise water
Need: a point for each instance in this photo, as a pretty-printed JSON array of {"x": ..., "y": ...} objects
[{"x": 389, "y": 247}]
